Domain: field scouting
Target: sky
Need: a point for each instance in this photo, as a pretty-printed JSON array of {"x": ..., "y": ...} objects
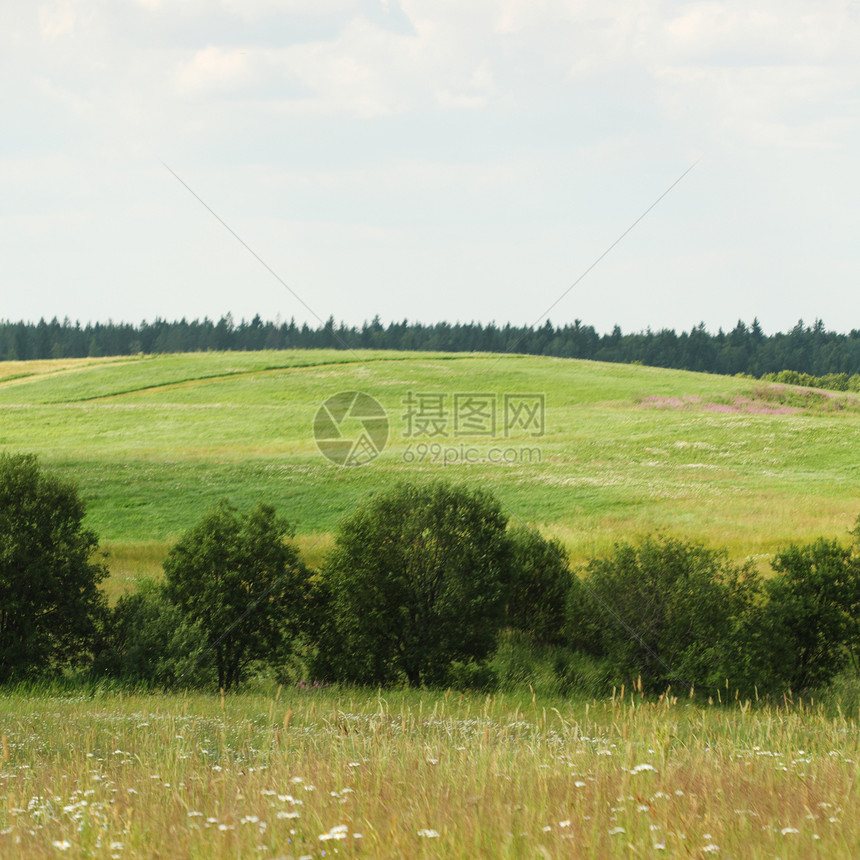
[{"x": 432, "y": 160}]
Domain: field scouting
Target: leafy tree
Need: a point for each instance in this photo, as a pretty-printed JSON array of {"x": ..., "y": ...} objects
[
  {"x": 239, "y": 579},
  {"x": 666, "y": 610},
  {"x": 811, "y": 616},
  {"x": 542, "y": 579},
  {"x": 418, "y": 578},
  {"x": 147, "y": 640},
  {"x": 50, "y": 600}
]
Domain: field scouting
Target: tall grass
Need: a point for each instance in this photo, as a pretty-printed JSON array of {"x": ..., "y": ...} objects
[{"x": 315, "y": 772}]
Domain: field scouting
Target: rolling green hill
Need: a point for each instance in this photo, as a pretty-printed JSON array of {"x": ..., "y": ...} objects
[{"x": 625, "y": 450}]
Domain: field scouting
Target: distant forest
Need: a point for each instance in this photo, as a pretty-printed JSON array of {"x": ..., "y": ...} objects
[{"x": 745, "y": 349}]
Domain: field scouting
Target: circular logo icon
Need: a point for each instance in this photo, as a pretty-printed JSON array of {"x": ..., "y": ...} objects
[{"x": 351, "y": 428}]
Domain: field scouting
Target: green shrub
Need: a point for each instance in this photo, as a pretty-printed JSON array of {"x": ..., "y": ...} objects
[
  {"x": 667, "y": 611},
  {"x": 147, "y": 641},
  {"x": 790, "y": 377},
  {"x": 521, "y": 663},
  {"x": 472, "y": 675},
  {"x": 810, "y": 622},
  {"x": 540, "y": 586},
  {"x": 841, "y": 695},
  {"x": 581, "y": 674}
]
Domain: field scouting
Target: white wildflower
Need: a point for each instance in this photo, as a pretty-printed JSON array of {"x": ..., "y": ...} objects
[{"x": 338, "y": 832}]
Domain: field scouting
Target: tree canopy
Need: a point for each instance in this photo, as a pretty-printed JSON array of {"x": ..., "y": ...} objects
[
  {"x": 239, "y": 578},
  {"x": 418, "y": 577},
  {"x": 50, "y": 601}
]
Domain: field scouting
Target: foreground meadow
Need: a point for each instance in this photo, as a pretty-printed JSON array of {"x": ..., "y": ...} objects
[{"x": 310, "y": 773}]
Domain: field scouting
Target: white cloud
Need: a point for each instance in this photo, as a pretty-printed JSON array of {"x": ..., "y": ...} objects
[
  {"x": 257, "y": 9},
  {"x": 766, "y": 75},
  {"x": 761, "y": 106},
  {"x": 736, "y": 68},
  {"x": 357, "y": 73},
  {"x": 213, "y": 69},
  {"x": 57, "y": 19},
  {"x": 786, "y": 31}
]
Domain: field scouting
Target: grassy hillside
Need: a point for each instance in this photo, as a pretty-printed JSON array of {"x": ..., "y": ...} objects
[{"x": 153, "y": 441}]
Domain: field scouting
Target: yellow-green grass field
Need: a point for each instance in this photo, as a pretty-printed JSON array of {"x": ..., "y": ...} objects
[
  {"x": 398, "y": 774},
  {"x": 626, "y": 450}
]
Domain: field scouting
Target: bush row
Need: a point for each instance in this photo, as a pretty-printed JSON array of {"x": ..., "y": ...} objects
[
  {"x": 832, "y": 381},
  {"x": 426, "y": 584}
]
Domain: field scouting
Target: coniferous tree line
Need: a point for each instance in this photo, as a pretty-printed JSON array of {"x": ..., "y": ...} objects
[{"x": 811, "y": 350}]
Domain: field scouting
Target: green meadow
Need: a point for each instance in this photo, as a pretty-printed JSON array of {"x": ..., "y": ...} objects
[
  {"x": 622, "y": 450},
  {"x": 91, "y": 770}
]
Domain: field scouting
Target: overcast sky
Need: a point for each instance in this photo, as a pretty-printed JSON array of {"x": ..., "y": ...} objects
[{"x": 432, "y": 159}]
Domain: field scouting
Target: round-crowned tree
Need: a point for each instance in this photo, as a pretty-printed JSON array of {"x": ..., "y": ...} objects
[
  {"x": 240, "y": 580},
  {"x": 50, "y": 599},
  {"x": 418, "y": 578}
]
